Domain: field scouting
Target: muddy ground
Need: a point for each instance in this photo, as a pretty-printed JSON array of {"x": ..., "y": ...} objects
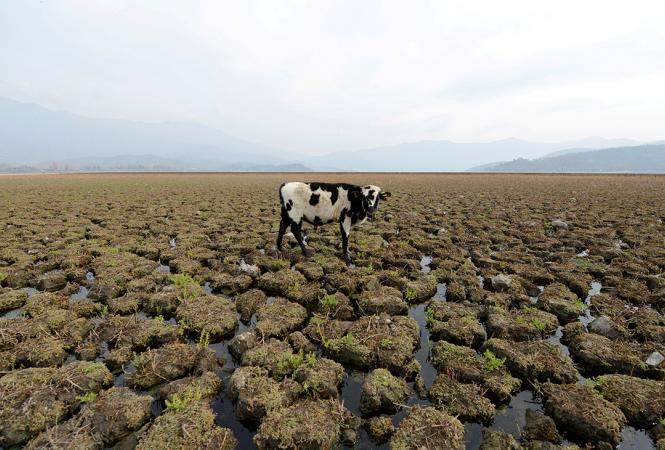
[{"x": 482, "y": 311}]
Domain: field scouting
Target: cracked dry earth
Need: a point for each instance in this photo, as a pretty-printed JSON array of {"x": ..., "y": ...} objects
[{"x": 482, "y": 311}]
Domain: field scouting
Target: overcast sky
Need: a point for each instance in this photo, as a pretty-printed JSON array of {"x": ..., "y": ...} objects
[{"x": 316, "y": 76}]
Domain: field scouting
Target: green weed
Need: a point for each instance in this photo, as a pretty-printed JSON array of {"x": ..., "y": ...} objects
[
  {"x": 179, "y": 401},
  {"x": 429, "y": 315},
  {"x": 328, "y": 302},
  {"x": 538, "y": 325},
  {"x": 492, "y": 363},
  {"x": 410, "y": 293},
  {"x": 204, "y": 340},
  {"x": 294, "y": 361},
  {"x": 87, "y": 398}
]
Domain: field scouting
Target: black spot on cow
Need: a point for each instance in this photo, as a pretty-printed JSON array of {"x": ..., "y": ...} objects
[
  {"x": 317, "y": 220},
  {"x": 333, "y": 196},
  {"x": 370, "y": 194},
  {"x": 355, "y": 218},
  {"x": 289, "y": 205},
  {"x": 314, "y": 199},
  {"x": 333, "y": 188}
]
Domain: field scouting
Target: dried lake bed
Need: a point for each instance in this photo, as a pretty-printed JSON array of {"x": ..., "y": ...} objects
[{"x": 481, "y": 311}]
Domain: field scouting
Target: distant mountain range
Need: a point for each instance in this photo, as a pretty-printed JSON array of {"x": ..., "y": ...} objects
[
  {"x": 147, "y": 163},
  {"x": 447, "y": 156},
  {"x": 635, "y": 159},
  {"x": 31, "y": 134},
  {"x": 34, "y": 138}
]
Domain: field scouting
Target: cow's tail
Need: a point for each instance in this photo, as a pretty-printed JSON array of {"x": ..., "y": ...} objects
[{"x": 281, "y": 197}]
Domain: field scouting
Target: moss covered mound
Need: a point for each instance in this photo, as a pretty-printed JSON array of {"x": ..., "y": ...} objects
[
  {"x": 205, "y": 386},
  {"x": 385, "y": 299},
  {"x": 583, "y": 413},
  {"x": 382, "y": 391},
  {"x": 209, "y": 315},
  {"x": 376, "y": 341},
  {"x": 44, "y": 396},
  {"x": 379, "y": 428},
  {"x": 307, "y": 424},
  {"x": 189, "y": 427},
  {"x": 428, "y": 428},
  {"x": 534, "y": 360},
  {"x": 274, "y": 355},
  {"x": 256, "y": 394},
  {"x": 488, "y": 371},
  {"x": 11, "y": 299},
  {"x": 641, "y": 401},
  {"x": 456, "y": 323},
  {"x": 110, "y": 416},
  {"x": 463, "y": 400},
  {"x": 283, "y": 282},
  {"x": 249, "y": 302},
  {"x": 495, "y": 440},
  {"x": 560, "y": 301},
  {"x": 520, "y": 324},
  {"x": 539, "y": 427},
  {"x": 320, "y": 379},
  {"x": 598, "y": 354},
  {"x": 167, "y": 363},
  {"x": 279, "y": 318},
  {"x": 136, "y": 333}
]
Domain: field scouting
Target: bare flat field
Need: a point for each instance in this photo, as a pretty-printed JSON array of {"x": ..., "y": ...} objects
[{"x": 481, "y": 311}]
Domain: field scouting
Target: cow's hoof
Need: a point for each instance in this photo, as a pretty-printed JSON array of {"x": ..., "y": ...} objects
[
  {"x": 307, "y": 253},
  {"x": 347, "y": 258}
]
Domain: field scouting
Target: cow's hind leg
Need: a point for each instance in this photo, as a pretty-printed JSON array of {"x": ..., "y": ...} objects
[
  {"x": 283, "y": 225},
  {"x": 295, "y": 228},
  {"x": 345, "y": 229}
]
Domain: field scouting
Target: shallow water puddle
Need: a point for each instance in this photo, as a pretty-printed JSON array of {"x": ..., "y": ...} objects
[
  {"x": 353, "y": 383},
  {"x": 207, "y": 288},
  {"x": 425, "y": 261},
  {"x": 14, "y": 313},
  {"x": 30, "y": 291},
  {"x": 428, "y": 371},
  {"x": 81, "y": 294},
  {"x": 163, "y": 268},
  {"x": 441, "y": 289},
  {"x": 587, "y": 318},
  {"x": 634, "y": 439},
  {"x": 510, "y": 419},
  {"x": 225, "y": 417}
]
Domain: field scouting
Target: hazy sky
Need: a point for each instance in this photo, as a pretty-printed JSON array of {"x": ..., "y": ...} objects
[{"x": 317, "y": 75}]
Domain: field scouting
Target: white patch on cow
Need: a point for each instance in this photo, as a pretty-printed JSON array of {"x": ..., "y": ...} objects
[
  {"x": 346, "y": 225},
  {"x": 300, "y": 193}
]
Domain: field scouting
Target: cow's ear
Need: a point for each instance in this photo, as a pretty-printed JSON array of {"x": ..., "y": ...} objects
[{"x": 384, "y": 195}]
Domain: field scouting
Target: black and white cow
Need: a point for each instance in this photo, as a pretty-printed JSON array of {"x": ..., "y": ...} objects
[{"x": 319, "y": 203}]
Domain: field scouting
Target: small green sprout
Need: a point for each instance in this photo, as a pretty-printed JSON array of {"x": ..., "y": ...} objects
[
  {"x": 87, "y": 398},
  {"x": 492, "y": 363},
  {"x": 410, "y": 293},
  {"x": 328, "y": 302}
]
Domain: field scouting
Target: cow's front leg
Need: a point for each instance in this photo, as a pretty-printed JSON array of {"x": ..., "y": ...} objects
[
  {"x": 283, "y": 224},
  {"x": 295, "y": 228},
  {"x": 345, "y": 229}
]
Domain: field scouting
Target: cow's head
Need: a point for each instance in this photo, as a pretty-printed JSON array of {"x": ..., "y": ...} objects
[{"x": 368, "y": 199}]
